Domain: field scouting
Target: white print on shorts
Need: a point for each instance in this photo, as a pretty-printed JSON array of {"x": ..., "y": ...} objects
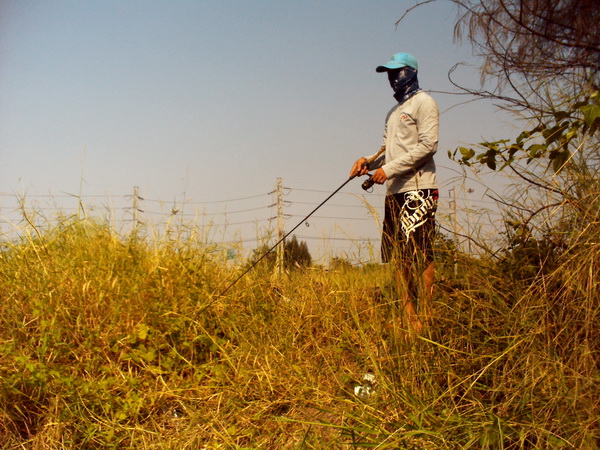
[{"x": 415, "y": 211}]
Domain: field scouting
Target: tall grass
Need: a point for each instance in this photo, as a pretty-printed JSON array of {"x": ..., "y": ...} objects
[{"x": 112, "y": 342}]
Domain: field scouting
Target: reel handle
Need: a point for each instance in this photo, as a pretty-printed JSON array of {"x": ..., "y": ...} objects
[{"x": 368, "y": 183}]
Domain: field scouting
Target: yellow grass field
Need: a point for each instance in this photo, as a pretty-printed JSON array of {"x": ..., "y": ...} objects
[{"x": 112, "y": 342}]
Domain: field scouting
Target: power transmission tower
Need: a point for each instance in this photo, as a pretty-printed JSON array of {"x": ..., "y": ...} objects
[
  {"x": 280, "y": 227},
  {"x": 136, "y": 209}
]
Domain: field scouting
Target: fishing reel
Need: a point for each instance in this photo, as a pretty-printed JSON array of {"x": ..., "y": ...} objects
[{"x": 368, "y": 184}]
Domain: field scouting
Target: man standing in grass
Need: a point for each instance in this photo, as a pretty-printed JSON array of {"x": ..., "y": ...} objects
[{"x": 407, "y": 166}]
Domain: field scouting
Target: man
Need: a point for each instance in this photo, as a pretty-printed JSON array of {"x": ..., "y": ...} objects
[{"x": 407, "y": 166}]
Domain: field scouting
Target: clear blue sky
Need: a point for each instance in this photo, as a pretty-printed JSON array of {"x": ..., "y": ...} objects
[{"x": 213, "y": 98}]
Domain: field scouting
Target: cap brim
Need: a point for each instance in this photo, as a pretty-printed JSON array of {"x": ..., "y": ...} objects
[{"x": 390, "y": 66}]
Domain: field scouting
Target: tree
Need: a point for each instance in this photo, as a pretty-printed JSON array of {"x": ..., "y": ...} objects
[
  {"x": 542, "y": 58},
  {"x": 296, "y": 254},
  {"x": 533, "y": 51}
]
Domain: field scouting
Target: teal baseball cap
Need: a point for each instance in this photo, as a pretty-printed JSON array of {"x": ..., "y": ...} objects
[{"x": 399, "y": 60}]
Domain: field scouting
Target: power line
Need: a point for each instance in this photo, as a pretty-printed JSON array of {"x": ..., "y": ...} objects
[
  {"x": 330, "y": 205},
  {"x": 173, "y": 210},
  {"x": 195, "y": 202},
  {"x": 329, "y": 238},
  {"x": 325, "y": 192},
  {"x": 335, "y": 218}
]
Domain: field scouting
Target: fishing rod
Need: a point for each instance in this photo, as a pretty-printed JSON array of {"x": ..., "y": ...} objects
[{"x": 366, "y": 185}]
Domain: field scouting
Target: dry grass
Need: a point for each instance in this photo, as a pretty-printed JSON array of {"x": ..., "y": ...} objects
[{"x": 108, "y": 343}]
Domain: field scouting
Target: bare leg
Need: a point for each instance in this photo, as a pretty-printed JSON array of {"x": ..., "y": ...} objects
[
  {"x": 406, "y": 289},
  {"x": 428, "y": 279},
  {"x": 405, "y": 284}
]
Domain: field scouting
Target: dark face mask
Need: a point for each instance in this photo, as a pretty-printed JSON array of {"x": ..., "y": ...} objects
[{"x": 404, "y": 82}]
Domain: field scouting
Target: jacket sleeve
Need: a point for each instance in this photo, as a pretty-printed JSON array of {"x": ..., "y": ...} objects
[
  {"x": 427, "y": 120},
  {"x": 380, "y": 160}
]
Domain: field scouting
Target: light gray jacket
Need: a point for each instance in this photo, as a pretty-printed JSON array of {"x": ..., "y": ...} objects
[{"x": 410, "y": 139}]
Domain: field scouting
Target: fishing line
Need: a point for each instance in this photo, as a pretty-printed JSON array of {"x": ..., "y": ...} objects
[
  {"x": 303, "y": 221},
  {"x": 367, "y": 184}
]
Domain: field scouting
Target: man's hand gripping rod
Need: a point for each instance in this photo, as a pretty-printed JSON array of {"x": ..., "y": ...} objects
[
  {"x": 369, "y": 161},
  {"x": 368, "y": 183}
]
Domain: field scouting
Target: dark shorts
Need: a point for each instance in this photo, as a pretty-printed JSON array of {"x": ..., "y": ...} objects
[{"x": 409, "y": 226}]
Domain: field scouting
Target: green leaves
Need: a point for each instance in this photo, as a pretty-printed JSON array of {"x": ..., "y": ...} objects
[
  {"x": 467, "y": 153},
  {"x": 488, "y": 157},
  {"x": 550, "y": 140},
  {"x": 591, "y": 116}
]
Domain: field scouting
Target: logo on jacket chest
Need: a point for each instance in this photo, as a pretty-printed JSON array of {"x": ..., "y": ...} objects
[{"x": 404, "y": 117}]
